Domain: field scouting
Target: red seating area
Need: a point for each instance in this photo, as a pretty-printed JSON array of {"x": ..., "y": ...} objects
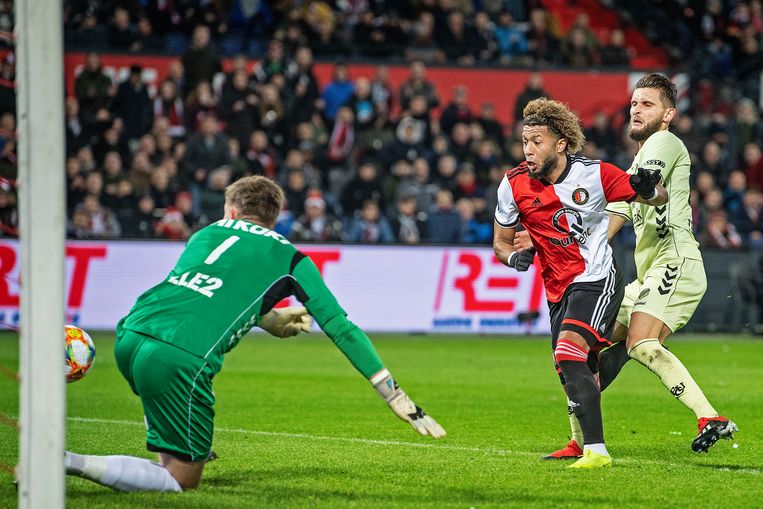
[{"x": 603, "y": 20}]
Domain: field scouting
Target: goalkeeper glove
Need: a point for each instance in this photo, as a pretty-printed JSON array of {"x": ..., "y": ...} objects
[
  {"x": 644, "y": 182},
  {"x": 403, "y": 406},
  {"x": 521, "y": 260},
  {"x": 286, "y": 322}
]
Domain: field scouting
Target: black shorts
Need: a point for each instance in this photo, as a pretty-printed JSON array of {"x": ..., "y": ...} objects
[{"x": 590, "y": 309}]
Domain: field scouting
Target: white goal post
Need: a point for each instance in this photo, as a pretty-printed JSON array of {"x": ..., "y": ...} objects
[{"x": 42, "y": 224}]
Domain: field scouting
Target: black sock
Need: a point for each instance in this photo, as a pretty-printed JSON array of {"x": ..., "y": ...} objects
[
  {"x": 611, "y": 362},
  {"x": 586, "y": 399}
]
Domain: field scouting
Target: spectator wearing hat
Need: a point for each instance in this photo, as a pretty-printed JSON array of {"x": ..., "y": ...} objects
[
  {"x": 172, "y": 225},
  {"x": 316, "y": 225}
]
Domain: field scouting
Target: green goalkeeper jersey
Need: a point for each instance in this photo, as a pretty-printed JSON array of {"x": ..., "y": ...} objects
[
  {"x": 229, "y": 275},
  {"x": 662, "y": 233}
]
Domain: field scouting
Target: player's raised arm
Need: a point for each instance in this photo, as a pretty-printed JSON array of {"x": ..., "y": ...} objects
[
  {"x": 357, "y": 347},
  {"x": 643, "y": 186},
  {"x": 647, "y": 184}
]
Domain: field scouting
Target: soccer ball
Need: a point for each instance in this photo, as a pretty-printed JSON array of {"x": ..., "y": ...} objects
[{"x": 80, "y": 353}]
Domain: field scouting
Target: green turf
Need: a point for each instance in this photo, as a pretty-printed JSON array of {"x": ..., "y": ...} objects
[{"x": 298, "y": 427}]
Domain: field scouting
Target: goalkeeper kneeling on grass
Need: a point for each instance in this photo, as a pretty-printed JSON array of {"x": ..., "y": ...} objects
[{"x": 172, "y": 343}]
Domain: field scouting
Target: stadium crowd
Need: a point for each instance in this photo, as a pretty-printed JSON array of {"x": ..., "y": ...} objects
[{"x": 359, "y": 160}]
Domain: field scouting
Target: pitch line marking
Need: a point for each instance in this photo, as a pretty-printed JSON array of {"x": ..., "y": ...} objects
[{"x": 371, "y": 441}]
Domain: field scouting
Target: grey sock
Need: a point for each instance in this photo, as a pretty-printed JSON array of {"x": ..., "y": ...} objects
[{"x": 74, "y": 463}]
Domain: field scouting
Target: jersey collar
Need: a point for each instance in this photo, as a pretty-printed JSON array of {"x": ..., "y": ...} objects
[{"x": 562, "y": 176}]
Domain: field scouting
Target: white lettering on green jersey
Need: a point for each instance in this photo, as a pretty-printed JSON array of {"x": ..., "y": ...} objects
[{"x": 215, "y": 292}]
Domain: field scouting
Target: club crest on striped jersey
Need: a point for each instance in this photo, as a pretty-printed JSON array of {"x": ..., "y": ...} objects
[{"x": 580, "y": 196}]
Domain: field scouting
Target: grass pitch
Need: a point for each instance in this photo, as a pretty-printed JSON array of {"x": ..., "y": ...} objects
[{"x": 297, "y": 426}]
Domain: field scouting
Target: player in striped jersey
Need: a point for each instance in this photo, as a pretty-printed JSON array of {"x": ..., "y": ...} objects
[
  {"x": 560, "y": 200},
  {"x": 670, "y": 274}
]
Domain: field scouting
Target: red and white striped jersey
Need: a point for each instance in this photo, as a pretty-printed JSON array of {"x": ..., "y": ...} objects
[{"x": 566, "y": 220}]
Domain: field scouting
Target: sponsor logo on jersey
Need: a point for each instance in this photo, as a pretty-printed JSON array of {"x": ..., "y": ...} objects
[
  {"x": 536, "y": 202},
  {"x": 642, "y": 297},
  {"x": 654, "y": 162},
  {"x": 580, "y": 196},
  {"x": 577, "y": 232}
]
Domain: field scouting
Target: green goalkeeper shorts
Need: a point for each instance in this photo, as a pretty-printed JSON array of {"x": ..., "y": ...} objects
[
  {"x": 175, "y": 388},
  {"x": 670, "y": 292}
]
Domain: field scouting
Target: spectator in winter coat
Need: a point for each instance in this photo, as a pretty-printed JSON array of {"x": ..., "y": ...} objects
[
  {"x": 201, "y": 60},
  {"x": 370, "y": 226},
  {"x": 133, "y": 105},
  {"x": 316, "y": 225},
  {"x": 338, "y": 91},
  {"x": 92, "y": 88},
  {"x": 444, "y": 224}
]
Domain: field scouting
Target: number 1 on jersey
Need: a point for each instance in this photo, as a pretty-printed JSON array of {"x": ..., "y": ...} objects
[{"x": 219, "y": 250}]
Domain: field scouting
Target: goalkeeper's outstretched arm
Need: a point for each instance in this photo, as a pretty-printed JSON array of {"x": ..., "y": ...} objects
[{"x": 357, "y": 347}]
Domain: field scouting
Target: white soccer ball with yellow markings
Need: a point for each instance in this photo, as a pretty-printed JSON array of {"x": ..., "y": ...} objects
[{"x": 79, "y": 351}]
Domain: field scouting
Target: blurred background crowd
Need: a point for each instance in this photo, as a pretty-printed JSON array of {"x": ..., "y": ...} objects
[{"x": 361, "y": 160}]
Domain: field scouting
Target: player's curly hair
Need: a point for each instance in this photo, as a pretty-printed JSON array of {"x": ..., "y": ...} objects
[
  {"x": 559, "y": 120},
  {"x": 256, "y": 198}
]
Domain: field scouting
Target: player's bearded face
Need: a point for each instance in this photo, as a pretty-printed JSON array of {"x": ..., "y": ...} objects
[
  {"x": 543, "y": 168},
  {"x": 639, "y": 130},
  {"x": 647, "y": 114},
  {"x": 539, "y": 148}
]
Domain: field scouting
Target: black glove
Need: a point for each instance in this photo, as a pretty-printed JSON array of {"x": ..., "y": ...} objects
[
  {"x": 521, "y": 260},
  {"x": 645, "y": 181}
]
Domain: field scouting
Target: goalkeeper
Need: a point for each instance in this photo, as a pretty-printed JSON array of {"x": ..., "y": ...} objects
[{"x": 172, "y": 343}]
